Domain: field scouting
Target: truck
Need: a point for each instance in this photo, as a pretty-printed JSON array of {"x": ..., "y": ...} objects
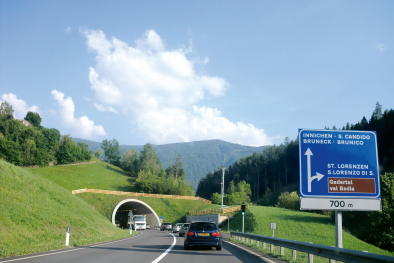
[{"x": 137, "y": 222}]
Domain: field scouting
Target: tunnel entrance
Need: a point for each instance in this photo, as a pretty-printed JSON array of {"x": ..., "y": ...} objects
[{"x": 138, "y": 207}]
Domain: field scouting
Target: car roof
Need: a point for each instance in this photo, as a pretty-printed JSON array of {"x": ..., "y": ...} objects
[{"x": 203, "y": 222}]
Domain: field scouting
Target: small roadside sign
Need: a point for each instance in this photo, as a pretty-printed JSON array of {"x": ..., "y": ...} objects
[
  {"x": 339, "y": 170},
  {"x": 273, "y": 225}
]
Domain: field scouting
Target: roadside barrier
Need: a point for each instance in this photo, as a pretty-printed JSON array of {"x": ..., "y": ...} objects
[
  {"x": 332, "y": 253},
  {"x": 108, "y": 192},
  {"x": 216, "y": 211}
]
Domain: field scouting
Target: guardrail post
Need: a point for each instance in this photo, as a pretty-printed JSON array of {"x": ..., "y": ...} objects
[
  {"x": 294, "y": 254},
  {"x": 332, "y": 260},
  {"x": 257, "y": 243},
  {"x": 282, "y": 251},
  {"x": 251, "y": 241},
  {"x": 310, "y": 256},
  {"x": 272, "y": 248},
  {"x": 263, "y": 245}
]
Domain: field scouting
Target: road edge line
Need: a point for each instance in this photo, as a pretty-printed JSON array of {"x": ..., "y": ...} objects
[
  {"x": 69, "y": 250},
  {"x": 251, "y": 252}
]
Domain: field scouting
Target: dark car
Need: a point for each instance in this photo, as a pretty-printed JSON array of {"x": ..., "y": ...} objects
[
  {"x": 183, "y": 229},
  {"x": 205, "y": 234},
  {"x": 166, "y": 226}
]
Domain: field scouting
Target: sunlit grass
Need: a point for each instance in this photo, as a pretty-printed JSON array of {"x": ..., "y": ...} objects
[
  {"x": 36, "y": 212},
  {"x": 298, "y": 226},
  {"x": 100, "y": 175},
  {"x": 172, "y": 210}
]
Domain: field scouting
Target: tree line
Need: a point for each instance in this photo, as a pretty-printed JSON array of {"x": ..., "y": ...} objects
[
  {"x": 277, "y": 168},
  {"x": 150, "y": 175},
  {"x": 273, "y": 174},
  {"x": 28, "y": 143}
]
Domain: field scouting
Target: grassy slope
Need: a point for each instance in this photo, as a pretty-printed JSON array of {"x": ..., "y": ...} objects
[
  {"x": 104, "y": 176},
  {"x": 299, "y": 226},
  {"x": 100, "y": 175},
  {"x": 172, "y": 210},
  {"x": 36, "y": 212}
]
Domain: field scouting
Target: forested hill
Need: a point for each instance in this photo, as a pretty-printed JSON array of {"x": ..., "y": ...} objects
[{"x": 198, "y": 158}]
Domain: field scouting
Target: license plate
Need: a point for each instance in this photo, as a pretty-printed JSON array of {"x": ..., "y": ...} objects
[{"x": 203, "y": 234}]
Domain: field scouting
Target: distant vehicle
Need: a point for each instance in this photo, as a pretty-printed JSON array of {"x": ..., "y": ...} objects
[
  {"x": 177, "y": 227},
  {"x": 203, "y": 234},
  {"x": 138, "y": 222},
  {"x": 147, "y": 226},
  {"x": 183, "y": 229},
  {"x": 166, "y": 226}
]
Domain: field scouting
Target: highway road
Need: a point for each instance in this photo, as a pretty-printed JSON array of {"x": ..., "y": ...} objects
[{"x": 148, "y": 246}]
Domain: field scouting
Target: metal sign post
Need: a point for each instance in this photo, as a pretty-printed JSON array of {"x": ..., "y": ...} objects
[
  {"x": 222, "y": 183},
  {"x": 338, "y": 229},
  {"x": 339, "y": 171},
  {"x": 243, "y": 222}
]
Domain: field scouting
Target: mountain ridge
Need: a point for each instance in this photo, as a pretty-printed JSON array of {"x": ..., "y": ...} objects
[{"x": 198, "y": 157}]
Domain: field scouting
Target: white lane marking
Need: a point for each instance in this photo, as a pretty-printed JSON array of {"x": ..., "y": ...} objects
[
  {"x": 251, "y": 252},
  {"x": 70, "y": 250},
  {"x": 166, "y": 252}
]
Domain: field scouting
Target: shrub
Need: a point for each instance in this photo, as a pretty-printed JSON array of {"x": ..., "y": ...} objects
[{"x": 289, "y": 201}]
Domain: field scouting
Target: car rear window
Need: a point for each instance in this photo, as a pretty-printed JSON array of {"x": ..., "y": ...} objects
[
  {"x": 203, "y": 226},
  {"x": 186, "y": 225},
  {"x": 167, "y": 224}
]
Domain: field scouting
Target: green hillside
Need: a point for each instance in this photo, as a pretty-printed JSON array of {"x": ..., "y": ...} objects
[
  {"x": 299, "y": 226},
  {"x": 198, "y": 158},
  {"x": 172, "y": 210},
  {"x": 99, "y": 175},
  {"x": 102, "y": 175},
  {"x": 36, "y": 212}
]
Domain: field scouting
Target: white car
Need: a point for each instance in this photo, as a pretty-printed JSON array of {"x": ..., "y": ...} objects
[{"x": 177, "y": 227}]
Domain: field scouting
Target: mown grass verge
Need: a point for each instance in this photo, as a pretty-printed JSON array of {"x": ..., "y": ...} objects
[
  {"x": 172, "y": 210},
  {"x": 100, "y": 175},
  {"x": 36, "y": 212},
  {"x": 299, "y": 226}
]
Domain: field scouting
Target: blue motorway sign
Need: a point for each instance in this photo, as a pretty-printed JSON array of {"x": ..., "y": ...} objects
[{"x": 338, "y": 164}]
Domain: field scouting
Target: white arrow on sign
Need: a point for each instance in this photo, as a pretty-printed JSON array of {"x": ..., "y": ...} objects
[{"x": 318, "y": 176}]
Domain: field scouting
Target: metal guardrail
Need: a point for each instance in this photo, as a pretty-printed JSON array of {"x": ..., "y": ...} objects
[{"x": 341, "y": 254}]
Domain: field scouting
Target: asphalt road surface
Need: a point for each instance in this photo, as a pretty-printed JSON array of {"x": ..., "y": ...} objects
[{"x": 149, "y": 246}]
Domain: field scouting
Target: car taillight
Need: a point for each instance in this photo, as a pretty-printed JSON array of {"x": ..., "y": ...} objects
[
  {"x": 190, "y": 233},
  {"x": 216, "y": 234}
]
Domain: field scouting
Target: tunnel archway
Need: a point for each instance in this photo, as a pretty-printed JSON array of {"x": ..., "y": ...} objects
[{"x": 138, "y": 207}]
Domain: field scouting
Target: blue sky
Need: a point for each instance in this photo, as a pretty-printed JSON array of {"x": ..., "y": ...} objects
[{"x": 250, "y": 72}]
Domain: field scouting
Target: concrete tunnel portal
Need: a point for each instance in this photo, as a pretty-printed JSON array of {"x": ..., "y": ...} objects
[{"x": 138, "y": 207}]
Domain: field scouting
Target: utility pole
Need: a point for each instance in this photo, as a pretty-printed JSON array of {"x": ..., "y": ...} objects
[{"x": 222, "y": 184}]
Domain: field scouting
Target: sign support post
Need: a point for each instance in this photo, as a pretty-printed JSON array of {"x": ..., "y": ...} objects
[
  {"x": 338, "y": 229},
  {"x": 243, "y": 222}
]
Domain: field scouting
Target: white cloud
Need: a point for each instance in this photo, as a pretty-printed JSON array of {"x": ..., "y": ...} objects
[
  {"x": 68, "y": 29},
  {"x": 203, "y": 123},
  {"x": 100, "y": 107},
  {"x": 82, "y": 126},
  {"x": 158, "y": 88},
  {"x": 20, "y": 107},
  {"x": 379, "y": 46}
]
